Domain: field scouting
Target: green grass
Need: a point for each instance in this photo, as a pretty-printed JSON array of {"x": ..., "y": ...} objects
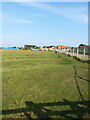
[{"x": 46, "y": 79}]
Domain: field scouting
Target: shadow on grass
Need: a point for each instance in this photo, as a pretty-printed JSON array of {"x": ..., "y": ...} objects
[
  {"x": 79, "y": 109},
  {"x": 78, "y": 88},
  {"x": 80, "y": 76}
]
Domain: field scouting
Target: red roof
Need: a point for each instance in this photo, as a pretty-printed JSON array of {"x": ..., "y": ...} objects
[
  {"x": 64, "y": 46},
  {"x": 67, "y": 47},
  {"x": 61, "y": 46}
]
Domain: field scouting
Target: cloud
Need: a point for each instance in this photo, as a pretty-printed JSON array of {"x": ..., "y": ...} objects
[
  {"x": 73, "y": 13},
  {"x": 79, "y": 14},
  {"x": 19, "y": 21},
  {"x": 85, "y": 18},
  {"x": 40, "y": 5}
]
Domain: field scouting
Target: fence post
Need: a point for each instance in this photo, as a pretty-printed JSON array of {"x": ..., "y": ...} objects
[
  {"x": 84, "y": 51},
  {"x": 64, "y": 51},
  {"x": 73, "y": 51},
  {"x": 77, "y": 52}
]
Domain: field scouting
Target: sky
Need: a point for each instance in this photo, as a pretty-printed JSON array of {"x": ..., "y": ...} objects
[{"x": 44, "y": 23}]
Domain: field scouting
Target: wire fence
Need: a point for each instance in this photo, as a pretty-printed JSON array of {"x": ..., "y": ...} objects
[{"x": 82, "y": 53}]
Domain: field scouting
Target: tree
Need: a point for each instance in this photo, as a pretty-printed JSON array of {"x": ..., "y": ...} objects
[
  {"x": 28, "y": 47},
  {"x": 82, "y": 45}
]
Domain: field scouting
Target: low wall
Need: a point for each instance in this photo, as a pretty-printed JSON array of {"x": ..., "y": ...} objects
[{"x": 80, "y": 56}]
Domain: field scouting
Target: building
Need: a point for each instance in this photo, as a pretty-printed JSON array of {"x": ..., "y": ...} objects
[
  {"x": 83, "y": 47},
  {"x": 63, "y": 48},
  {"x": 10, "y": 48}
]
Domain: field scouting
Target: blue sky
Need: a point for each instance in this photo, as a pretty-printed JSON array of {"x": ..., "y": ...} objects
[{"x": 44, "y": 23}]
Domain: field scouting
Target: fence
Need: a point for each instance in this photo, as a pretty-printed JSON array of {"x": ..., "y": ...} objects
[{"x": 82, "y": 53}]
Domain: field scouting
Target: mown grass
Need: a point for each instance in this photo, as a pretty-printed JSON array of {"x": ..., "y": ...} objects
[{"x": 43, "y": 77}]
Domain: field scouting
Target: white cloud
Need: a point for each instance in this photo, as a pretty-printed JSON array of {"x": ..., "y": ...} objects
[
  {"x": 85, "y": 18},
  {"x": 72, "y": 13},
  {"x": 40, "y": 5},
  {"x": 19, "y": 21},
  {"x": 77, "y": 14},
  {"x": 25, "y": 21}
]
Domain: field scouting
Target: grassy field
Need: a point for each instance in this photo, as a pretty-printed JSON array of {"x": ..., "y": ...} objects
[{"x": 42, "y": 84}]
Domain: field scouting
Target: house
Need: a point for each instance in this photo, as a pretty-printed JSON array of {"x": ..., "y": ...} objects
[
  {"x": 50, "y": 48},
  {"x": 43, "y": 49},
  {"x": 63, "y": 48},
  {"x": 55, "y": 48},
  {"x": 31, "y": 47},
  {"x": 60, "y": 47}
]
